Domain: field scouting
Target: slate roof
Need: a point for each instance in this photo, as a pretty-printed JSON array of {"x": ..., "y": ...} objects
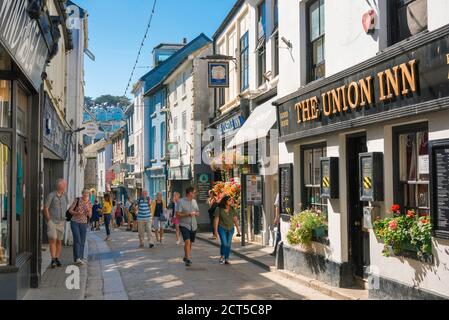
[{"x": 156, "y": 77}]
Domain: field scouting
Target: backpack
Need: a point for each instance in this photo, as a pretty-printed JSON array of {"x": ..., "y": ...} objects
[{"x": 68, "y": 215}]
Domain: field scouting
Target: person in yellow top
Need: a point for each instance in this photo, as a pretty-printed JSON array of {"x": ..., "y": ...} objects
[
  {"x": 158, "y": 209},
  {"x": 107, "y": 214}
]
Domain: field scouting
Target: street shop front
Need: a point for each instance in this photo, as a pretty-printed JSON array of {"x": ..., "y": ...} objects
[
  {"x": 371, "y": 157},
  {"x": 27, "y": 37}
]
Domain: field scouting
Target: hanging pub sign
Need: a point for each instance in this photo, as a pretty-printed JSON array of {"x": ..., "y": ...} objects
[
  {"x": 385, "y": 87},
  {"x": 286, "y": 203},
  {"x": 254, "y": 190},
  {"x": 329, "y": 178},
  {"x": 23, "y": 38},
  {"x": 439, "y": 186},
  {"x": 218, "y": 74},
  {"x": 371, "y": 176}
]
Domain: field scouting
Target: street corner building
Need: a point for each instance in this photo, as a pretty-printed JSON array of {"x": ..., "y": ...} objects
[
  {"x": 39, "y": 107},
  {"x": 368, "y": 128}
]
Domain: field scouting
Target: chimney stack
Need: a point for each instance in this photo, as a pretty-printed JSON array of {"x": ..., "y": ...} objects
[{"x": 184, "y": 41}]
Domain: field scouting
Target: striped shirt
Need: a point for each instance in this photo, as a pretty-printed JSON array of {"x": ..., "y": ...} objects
[{"x": 144, "y": 210}]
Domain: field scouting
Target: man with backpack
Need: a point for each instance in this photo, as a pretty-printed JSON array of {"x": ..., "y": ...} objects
[{"x": 144, "y": 220}]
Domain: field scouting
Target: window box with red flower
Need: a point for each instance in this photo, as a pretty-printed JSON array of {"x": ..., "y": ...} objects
[{"x": 406, "y": 234}]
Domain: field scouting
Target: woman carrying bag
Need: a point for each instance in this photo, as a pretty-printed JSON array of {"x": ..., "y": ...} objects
[
  {"x": 81, "y": 212},
  {"x": 224, "y": 219}
]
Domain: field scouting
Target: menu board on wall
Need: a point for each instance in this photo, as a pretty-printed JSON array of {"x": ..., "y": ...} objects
[
  {"x": 286, "y": 189},
  {"x": 440, "y": 187}
]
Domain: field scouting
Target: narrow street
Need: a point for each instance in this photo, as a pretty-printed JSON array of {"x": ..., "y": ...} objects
[{"x": 159, "y": 273}]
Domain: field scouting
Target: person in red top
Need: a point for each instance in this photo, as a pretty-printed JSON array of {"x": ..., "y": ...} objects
[{"x": 81, "y": 211}]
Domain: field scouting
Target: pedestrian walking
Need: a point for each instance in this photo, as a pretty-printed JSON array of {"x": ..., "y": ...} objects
[
  {"x": 224, "y": 219},
  {"x": 81, "y": 211},
  {"x": 96, "y": 213},
  {"x": 187, "y": 211},
  {"x": 144, "y": 220},
  {"x": 118, "y": 215},
  {"x": 128, "y": 214},
  {"x": 277, "y": 224},
  {"x": 158, "y": 209},
  {"x": 107, "y": 215},
  {"x": 55, "y": 209},
  {"x": 174, "y": 217},
  {"x": 213, "y": 205}
]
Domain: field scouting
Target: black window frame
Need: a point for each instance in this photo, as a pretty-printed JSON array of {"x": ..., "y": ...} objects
[
  {"x": 304, "y": 199},
  {"x": 310, "y": 67},
  {"x": 393, "y": 20},
  {"x": 261, "y": 50},
  {"x": 244, "y": 62},
  {"x": 398, "y": 192}
]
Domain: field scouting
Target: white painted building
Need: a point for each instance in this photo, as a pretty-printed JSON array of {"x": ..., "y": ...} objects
[
  {"x": 140, "y": 148},
  {"x": 104, "y": 163},
  {"x": 189, "y": 100},
  {"x": 325, "y": 47},
  {"x": 244, "y": 112}
]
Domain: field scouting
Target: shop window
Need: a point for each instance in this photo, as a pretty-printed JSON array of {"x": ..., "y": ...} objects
[
  {"x": 311, "y": 178},
  {"x": 244, "y": 62},
  {"x": 407, "y": 18},
  {"x": 5, "y": 203},
  {"x": 5, "y": 104},
  {"x": 412, "y": 152},
  {"x": 316, "y": 36},
  {"x": 261, "y": 44}
]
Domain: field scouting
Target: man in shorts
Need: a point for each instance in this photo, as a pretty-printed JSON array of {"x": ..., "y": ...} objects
[
  {"x": 55, "y": 209},
  {"x": 187, "y": 210}
]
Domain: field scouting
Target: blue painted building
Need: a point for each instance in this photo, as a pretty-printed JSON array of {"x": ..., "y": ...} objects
[{"x": 155, "y": 130}]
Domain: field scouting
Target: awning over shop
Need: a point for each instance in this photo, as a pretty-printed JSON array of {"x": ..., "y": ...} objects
[{"x": 259, "y": 123}]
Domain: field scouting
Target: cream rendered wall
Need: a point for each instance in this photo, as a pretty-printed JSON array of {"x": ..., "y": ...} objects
[
  {"x": 432, "y": 277},
  {"x": 437, "y": 13},
  {"x": 346, "y": 43}
]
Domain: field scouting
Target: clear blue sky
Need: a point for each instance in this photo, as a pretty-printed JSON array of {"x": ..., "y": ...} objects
[{"x": 116, "y": 28}]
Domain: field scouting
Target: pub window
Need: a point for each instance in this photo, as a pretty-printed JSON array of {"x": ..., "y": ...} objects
[
  {"x": 276, "y": 38},
  {"x": 221, "y": 97},
  {"x": 261, "y": 44},
  {"x": 407, "y": 18},
  {"x": 244, "y": 62},
  {"x": 311, "y": 178},
  {"x": 316, "y": 35},
  {"x": 412, "y": 179},
  {"x": 162, "y": 139}
]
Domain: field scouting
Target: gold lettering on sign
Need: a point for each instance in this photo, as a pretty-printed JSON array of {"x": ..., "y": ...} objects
[
  {"x": 392, "y": 82},
  {"x": 336, "y": 96},
  {"x": 408, "y": 77},
  {"x": 353, "y": 95},
  {"x": 447, "y": 56},
  {"x": 367, "y": 94},
  {"x": 327, "y": 109},
  {"x": 314, "y": 108},
  {"x": 298, "y": 112}
]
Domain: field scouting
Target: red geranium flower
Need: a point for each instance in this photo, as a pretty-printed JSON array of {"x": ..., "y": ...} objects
[
  {"x": 410, "y": 214},
  {"x": 393, "y": 225},
  {"x": 395, "y": 208}
]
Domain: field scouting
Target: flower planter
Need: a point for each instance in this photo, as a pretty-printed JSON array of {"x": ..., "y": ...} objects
[{"x": 319, "y": 233}]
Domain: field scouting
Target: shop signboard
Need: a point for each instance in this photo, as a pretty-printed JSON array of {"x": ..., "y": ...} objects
[
  {"x": 204, "y": 184},
  {"x": 286, "y": 204},
  {"x": 218, "y": 74},
  {"x": 254, "y": 190},
  {"x": 393, "y": 84},
  {"x": 228, "y": 127},
  {"x": 439, "y": 186},
  {"x": 22, "y": 37}
]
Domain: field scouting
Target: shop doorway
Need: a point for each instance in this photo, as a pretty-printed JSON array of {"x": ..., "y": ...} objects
[{"x": 358, "y": 237}]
